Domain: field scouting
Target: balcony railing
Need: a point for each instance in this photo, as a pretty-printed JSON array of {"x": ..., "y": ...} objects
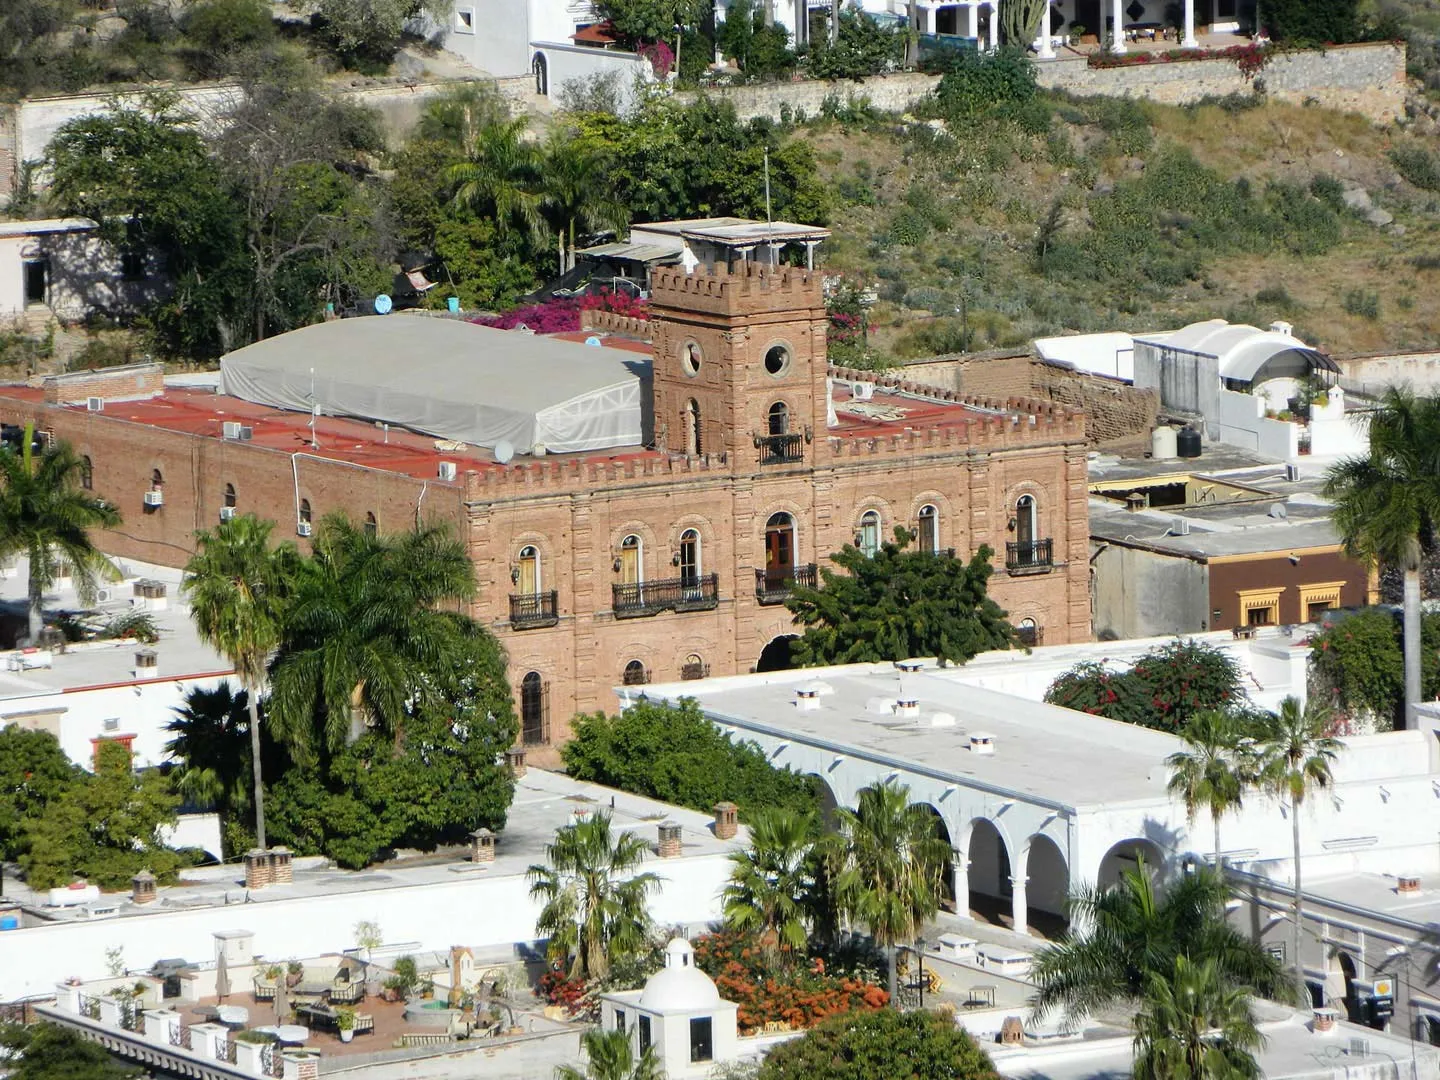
[
  {"x": 1030, "y": 636},
  {"x": 637, "y": 598},
  {"x": 1029, "y": 556},
  {"x": 530, "y": 610},
  {"x": 691, "y": 672},
  {"x": 635, "y": 677},
  {"x": 773, "y": 586},
  {"x": 780, "y": 449}
]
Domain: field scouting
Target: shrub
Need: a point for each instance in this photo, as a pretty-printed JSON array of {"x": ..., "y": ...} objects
[
  {"x": 1358, "y": 659},
  {"x": 862, "y": 47},
  {"x": 1165, "y": 687},
  {"x": 1312, "y": 22},
  {"x": 1328, "y": 190},
  {"x": 1417, "y": 165},
  {"x": 1365, "y": 305},
  {"x": 978, "y": 83},
  {"x": 1276, "y": 296},
  {"x": 879, "y": 1046}
]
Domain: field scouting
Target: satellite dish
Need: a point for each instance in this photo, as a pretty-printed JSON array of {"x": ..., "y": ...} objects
[
  {"x": 592, "y": 340},
  {"x": 504, "y": 452},
  {"x": 1279, "y": 512},
  {"x": 383, "y": 304}
]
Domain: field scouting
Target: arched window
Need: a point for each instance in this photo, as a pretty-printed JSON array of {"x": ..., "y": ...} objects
[
  {"x": 694, "y": 667},
  {"x": 230, "y": 496},
  {"x": 631, "y": 564},
  {"x": 527, "y": 576},
  {"x": 635, "y": 674},
  {"x": 157, "y": 481},
  {"x": 305, "y": 515},
  {"x": 868, "y": 541},
  {"x": 1028, "y": 633},
  {"x": 1026, "y": 525},
  {"x": 779, "y": 417},
  {"x": 779, "y": 550},
  {"x": 692, "y": 428},
  {"x": 87, "y": 473},
  {"x": 690, "y": 557},
  {"x": 929, "y": 529},
  {"x": 534, "y": 709},
  {"x": 371, "y": 525}
]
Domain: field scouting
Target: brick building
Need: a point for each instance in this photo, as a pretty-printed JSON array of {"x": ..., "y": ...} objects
[{"x": 668, "y": 561}]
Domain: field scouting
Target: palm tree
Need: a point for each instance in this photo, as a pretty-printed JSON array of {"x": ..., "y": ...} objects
[
  {"x": 370, "y": 624},
  {"x": 575, "y": 191},
  {"x": 238, "y": 587},
  {"x": 1211, "y": 771},
  {"x": 894, "y": 858},
  {"x": 1132, "y": 932},
  {"x": 1196, "y": 1025},
  {"x": 594, "y": 905},
  {"x": 1295, "y": 751},
  {"x": 772, "y": 881},
  {"x": 46, "y": 515},
  {"x": 498, "y": 176},
  {"x": 609, "y": 1056},
  {"x": 1387, "y": 504},
  {"x": 211, "y": 745}
]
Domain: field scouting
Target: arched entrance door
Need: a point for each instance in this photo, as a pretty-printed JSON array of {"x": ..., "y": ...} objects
[
  {"x": 947, "y": 869},
  {"x": 776, "y": 655},
  {"x": 988, "y": 874},
  {"x": 1126, "y": 855},
  {"x": 779, "y": 551},
  {"x": 542, "y": 75},
  {"x": 1047, "y": 887}
]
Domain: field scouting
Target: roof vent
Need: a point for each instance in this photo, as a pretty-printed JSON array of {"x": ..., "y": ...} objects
[
  {"x": 879, "y": 706},
  {"x": 807, "y": 699},
  {"x": 1278, "y": 512},
  {"x": 982, "y": 742},
  {"x": 910, "y": 667},
  {"x": 907, "y": 707},
  {"x": 1407, "y": 885},
  {"x": 1135, "y": 501}
]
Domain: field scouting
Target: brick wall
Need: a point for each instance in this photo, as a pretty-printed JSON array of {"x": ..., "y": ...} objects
[{"x": 128, "y": 383}]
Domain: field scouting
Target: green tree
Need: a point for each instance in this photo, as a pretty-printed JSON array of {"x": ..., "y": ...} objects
[
  {"x": 216, "y": 31},
  {"x": 861, "y": 47},
  {"x": 1387, "y": 504},
  {"x": 1295, "y": 752},
  {"x": 366, "y": 34},
  {"x": 881, "y": 1045},
  {"x": 610, "y": 1055},
  {"x": 238, "y": 586},
  {"x": 369, "y": 626},
  {"x": 896, "y": 604},
  {"x": 1134, "y": 932},
  {"x": 594, "y": 903},
  {"x": 674, "y": 754},
  {"x": 640, "y": 21},
  {"x": 1163, "y": 689},
  {"x": 1211, "y": 771},
  {"x": 48, "y": 1051},
  {"x": 34, "y": 775},
  {"x": 575, "y": 191},
  {"x": 105, "y": 828},
  {"x": 894, "y": 856},
  {"x": 772, "y": 881},
  {"x": 1194, "y": 1024},
  {"x": 498, "y": 176},
  {"x": 46, "y": 515},
  {"x": 210, "y": 745},
  {"x": 1312, "y": 22}
]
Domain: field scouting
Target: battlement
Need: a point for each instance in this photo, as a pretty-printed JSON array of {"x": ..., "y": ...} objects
[
  {"x": 578, "y": 474},
  {"x": 751, "y": 289},
  {"x": 612, "y": 322},
  {"x": 1036, "y": 412}
]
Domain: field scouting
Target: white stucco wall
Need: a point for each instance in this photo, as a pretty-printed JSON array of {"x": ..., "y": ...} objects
[
  {"x": 565, "y": 62},
  {"x": 1239, "y": 419}
]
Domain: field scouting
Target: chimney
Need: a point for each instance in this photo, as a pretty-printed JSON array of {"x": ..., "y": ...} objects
[
  {"x": 1012, "y": 1032},
  {"x": 907, "y": 706},
  {"x": 1280, "y": 327},
  {"x": 982, "y": 742},
  {"x": 669, "y": 840},
  {"x": 1325, "y": 1020},
  {"x": 1135, "y": 502},
  {"x": 147, "y": 664},
  {"x": 482, "y": 846},
  {"x": 807, "y": 699},
  {"x": 142, "y": 888},
  {"x": 257, "y": 869},
  {"x": 281, "y": 870},
  {"x": 725, "y": 820},
  {"x": 515, "y": 760},
  {"x": 1407, "y": 885}
]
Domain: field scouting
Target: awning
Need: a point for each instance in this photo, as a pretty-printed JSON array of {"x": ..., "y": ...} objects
[{"x": 641, "y": 253}]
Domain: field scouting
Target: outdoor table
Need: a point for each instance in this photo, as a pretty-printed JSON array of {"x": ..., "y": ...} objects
[
  {"x": 206, "y": 1012},
  {"x": 233, "y": 1015},
  {"x": 292, "y": 1033}
]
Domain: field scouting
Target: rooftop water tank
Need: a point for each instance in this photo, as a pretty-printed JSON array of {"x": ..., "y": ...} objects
[
  {"x": 1162, "y": 443},
  {"x": 1188, "y": 443}
]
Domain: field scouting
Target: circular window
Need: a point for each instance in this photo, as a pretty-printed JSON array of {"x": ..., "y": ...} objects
[
  {"x": 690, "y": 358},
  {"x": 777, "y": 360}
]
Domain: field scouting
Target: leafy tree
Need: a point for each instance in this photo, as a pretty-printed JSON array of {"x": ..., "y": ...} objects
[
  {"x": 894, "y": 856},
  {"x": 1295, "y": 751},
  {"x": 1194, "y": 1023},
  {"x": 881, "y": 1045},
  {"x": 35, "y": 774},
  {"x": 498, "y": 176},
  {"x": 759, "y": 49},
  {"x": 1164, "y": 689},
  {"x": 1211, "y": 771},
  {"x": 237, "y": 585},
  {"x": 46, "y": 515},
  {"x": 898, "y": 604},
  {"x": 610, "y": 1055},
  {"x": 48, "y": 1051},
  {"x": 218, "y": 31},
  {"x": 975, "y": 84},
  {"x": 674, "y": 754},
  {"x": 368, "y": 630},
  {"x": 1312, "y": 22},
  {"x": 575, "y": 191},
  {"x": 1133, "y": 932},
  {"x": 772, "y": 880},
  {"x": 366, "y": 34},
  {"x": 638, "y": 21},
  {"x": 861, "y": 47},
  {"x": 1359, "y": 660},
  {"x": 105, "y": 828},
  {"x": 1387, "y": 504},
  {"x": 594, "y": 904}
]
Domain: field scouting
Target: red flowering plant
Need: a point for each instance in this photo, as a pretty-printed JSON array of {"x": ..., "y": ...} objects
[
  {"x": 661, "y": 58},
  {"x": 1163, "y": 689},
  {"x": 561, "y": 314},
  {"x": 1250, "y": 58}
]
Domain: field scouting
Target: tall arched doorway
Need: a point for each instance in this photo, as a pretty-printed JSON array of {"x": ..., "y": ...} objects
[
  {"x": 1126, "y": 855},
  {"x": 779, "y": 551},
  {"x": 776, "y": 655},
  {"x": 988, "y": 873},
  {"x": 534, "y": 709},
  {"x": 947, "y": 869},
  {"x": 542, "y": 75},
  {"x": 1047, "y": 887}
]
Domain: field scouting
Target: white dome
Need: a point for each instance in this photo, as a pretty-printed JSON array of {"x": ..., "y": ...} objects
[{"x": 680, "y": 986}]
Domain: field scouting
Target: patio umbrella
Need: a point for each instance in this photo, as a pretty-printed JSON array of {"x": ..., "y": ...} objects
[
  {"x": 282, "y": 1000},
  {"x": 222, "y": 978}
]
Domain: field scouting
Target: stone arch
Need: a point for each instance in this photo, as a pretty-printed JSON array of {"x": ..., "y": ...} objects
[
  {"x": 776, "y": 654},
  {"x": 1125, "y": 855},
  {"x": 829, "y": 803},
  {"x": 1047, "y": 885},
  {"x": 541, "y": 69},
  {"x": 988, "y": 869},
  {"x": 948, "y": 900}
]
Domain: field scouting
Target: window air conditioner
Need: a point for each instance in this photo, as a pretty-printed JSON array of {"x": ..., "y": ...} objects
[
  {"x": 95, "y": 404},
  {"x": 447, "y": 470},
  {"x": 230, "y": 429},
  {"x": 226, "y": 513},
  {"x": 302, "y": 528},
  {"x": 154, "y": 497}
]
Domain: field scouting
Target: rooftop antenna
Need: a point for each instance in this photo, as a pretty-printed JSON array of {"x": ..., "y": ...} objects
[
  {"x": 314, "y": 411},
  {"x": 767, "y": 189}
]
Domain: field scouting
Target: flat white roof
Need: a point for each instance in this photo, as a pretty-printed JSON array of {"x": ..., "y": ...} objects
[{"x": 42, "y": 226}]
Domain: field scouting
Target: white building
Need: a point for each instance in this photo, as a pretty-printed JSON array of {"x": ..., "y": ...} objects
[{"x": 59, "y": 268}]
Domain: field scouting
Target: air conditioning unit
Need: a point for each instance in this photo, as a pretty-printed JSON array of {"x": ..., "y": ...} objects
[
  {"x": 95, "y": 404},
  {"x": 447, "y": 470},
  {"x": 1358, "y": 1047},
  {"x": 302, "y": 528},
  {"x": 155, "y": 497},
  {"x": 112, "y": 723},
  {"x": 230, "y": 429},
  {"x": 862, "y": 391},
  {"x": 226, "y": 513},
  {"x": 1181, "y": 527},
  {"x": 1292, "y": 473},
  {"x": 104, "y": 596},
  {"x": 246, "y": 433}
]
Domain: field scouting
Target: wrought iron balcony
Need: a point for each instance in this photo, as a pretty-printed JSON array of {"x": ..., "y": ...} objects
[
  {"x": 1029, "y": 556},
  {"x": 531, "y": 610},
  {"x": 780, "y": 449},
  {"x": 1030, "y": 636},
  {"x": 635, "y": 599},
  {"x": 690, "y": 672},
  {"x": 638, "y": 676},
  {"x": 773, "y": 586}
]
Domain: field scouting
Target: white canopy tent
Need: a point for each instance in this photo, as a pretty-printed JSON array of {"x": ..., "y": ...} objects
[{"x": 454, "y": 380}]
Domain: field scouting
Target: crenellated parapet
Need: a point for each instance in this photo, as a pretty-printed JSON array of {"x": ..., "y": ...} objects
[
  {"x": 751, "y": 289},
  {"x": 572, "y": 474},
  {"x": 614, "y": 323}
]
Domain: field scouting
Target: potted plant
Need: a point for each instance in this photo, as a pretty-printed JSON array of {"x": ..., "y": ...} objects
[
  {"x": 1076, "y": 33},
  {"x": 345, "y": 1022},
  {"x": 294, "y": 972},
  {"x": 393, "y": 988},
  {"x": 427, "y": 988},
  {"x": 407, "y": 973}
]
